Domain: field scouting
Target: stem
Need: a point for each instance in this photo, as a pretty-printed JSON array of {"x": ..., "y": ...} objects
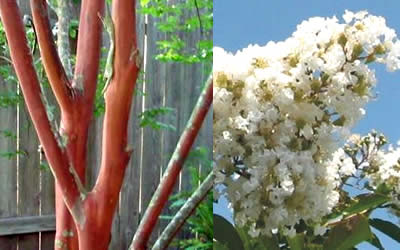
[
  {"x": 23, "y": 65},
  {"x": 184, "y": 213},
  {"x": 175, "y": 165},
  {"x": 118, "y": 99},
  {"x": 51, "y": 61},
  {"x": 88, "y": 52}
]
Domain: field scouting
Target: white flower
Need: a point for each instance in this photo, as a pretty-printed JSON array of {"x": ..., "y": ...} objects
[
  {"x": 281, "y": 111},
  {"x": 348, "y": 16},
  {"x": 319, "y": 230}
]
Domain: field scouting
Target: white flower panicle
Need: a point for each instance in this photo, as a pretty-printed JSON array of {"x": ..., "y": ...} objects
[
  {"x": 379, "y": 166},
  {"x": 281, "y": 110}
]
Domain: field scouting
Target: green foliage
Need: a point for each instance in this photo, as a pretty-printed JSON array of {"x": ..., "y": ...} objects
[
  {"x": 296, "y": 242},
  {"x": 10, "y": 155},
  {"x": 365, "y": 202},
  {"x": 149, "y": 117},
  {"x": 376, "y": 242},
  {"x": 219, "y": 246},
  {"x": 7, "y": 98},
  {"x": 7, "y": 134},
  {"x": 174, "y": 20},
  {"x": 73, "y": 28},
  {"x": 258, "y": 243},
  {"x": 44, "y": 166},
  {"x": 349, "y": 233},
  {"x": 99, "y": 104},
  {"x": 349, "y": 224},
  {"x": 386, "y": 227},
  {"x": 226, "y": 234},
  {"x": 200, "y": 224}
]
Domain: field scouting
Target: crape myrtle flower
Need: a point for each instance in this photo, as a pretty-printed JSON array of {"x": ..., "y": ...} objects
[{"x": 281, "y": 112}]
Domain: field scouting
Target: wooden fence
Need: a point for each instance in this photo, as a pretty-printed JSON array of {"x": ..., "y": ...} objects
[{"x": 27, "y": 191}]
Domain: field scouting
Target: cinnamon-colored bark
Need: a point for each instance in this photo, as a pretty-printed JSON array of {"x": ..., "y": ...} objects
[
  {"x": 118, "y": 99},
  {"x": 23, "y": 65},
  {"x": 175, "y": 165},
  {"x": 51, "y": 61},
  {"x": 83, "y": 219},
  {"x": 66, "y": 234}
]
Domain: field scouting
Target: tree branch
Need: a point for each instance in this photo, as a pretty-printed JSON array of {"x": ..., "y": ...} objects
[
  {"x": 88, "y": 52},
  {"x": 175, "y": 165},
  {"x": 23, "y": 65},
  {"x": 118, "y": 99},
  {"x": 184, "y": 213},
  {"x": 55, "y": 71},
  {"x": 64, "y": 19}
]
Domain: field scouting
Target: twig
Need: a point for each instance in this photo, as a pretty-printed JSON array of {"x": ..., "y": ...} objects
[{"x": 199, "y": 17}]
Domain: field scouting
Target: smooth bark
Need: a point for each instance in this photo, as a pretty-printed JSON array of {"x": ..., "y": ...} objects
[
  {"x": 84, "y": 218},
  {"x": 92, "y": 212}
]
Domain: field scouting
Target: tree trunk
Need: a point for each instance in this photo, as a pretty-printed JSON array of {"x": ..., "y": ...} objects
[{"x": 83, "y": 218}]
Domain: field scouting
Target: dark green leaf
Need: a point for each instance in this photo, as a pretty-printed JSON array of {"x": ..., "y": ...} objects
[
  {"x": 386, "y": 227},
  {"x": 219, "y": 246},
  {"x": 258, "y": 243},
  {"x": 226, "y": 234},
  {"x": 297, "y": 242},
  {"x": 376, "y": 242},
  {"x": 365, "y": 202}
]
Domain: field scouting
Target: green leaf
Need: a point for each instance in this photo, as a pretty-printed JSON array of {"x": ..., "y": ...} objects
[
  {"x": 219, "y": 246},
  {"x": 226, "y": 234},
  {"x": 376, "y": 242},
  {"x": 258, "y": 243},
  {"x": 340, "y": 121},
  {"x": 297, "y": 242},
  {"x": 144, "y": 2},
  {"x": 349, "y": 233},
  {"x": 148, "y": 118},
  {"x": 386, "y": 227},
  {"x": 365, "y": 202}
]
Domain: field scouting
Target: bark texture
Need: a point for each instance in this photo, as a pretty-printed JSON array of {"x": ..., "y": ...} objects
[{"x": 83, "y": 218}]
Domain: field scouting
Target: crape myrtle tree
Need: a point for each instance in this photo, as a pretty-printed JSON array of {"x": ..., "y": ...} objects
[
  {"x": 285, "y": 158},
  {"x": 84, "y": 217}
]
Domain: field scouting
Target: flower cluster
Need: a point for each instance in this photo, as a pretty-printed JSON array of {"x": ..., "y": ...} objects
[
  {"x": 385, "y": 173},
  {"x": 281, "y": 111},
  {"x": 378, "y": 166}
]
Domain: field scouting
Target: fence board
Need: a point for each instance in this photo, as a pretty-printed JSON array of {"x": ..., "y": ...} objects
[
  {"x": 172, "y": 100},
  {"x": 8, "y": 166},
  {"x": 47, "y": 192},
  {"x": 27, "y": 224},
  {"x": 47, "y": 207},
  {"x": 28, "y": 176},
  {"x": 152, "y": 148}
]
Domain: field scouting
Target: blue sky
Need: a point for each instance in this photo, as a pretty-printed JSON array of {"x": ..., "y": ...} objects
[{"x": 238, "y": 23}]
